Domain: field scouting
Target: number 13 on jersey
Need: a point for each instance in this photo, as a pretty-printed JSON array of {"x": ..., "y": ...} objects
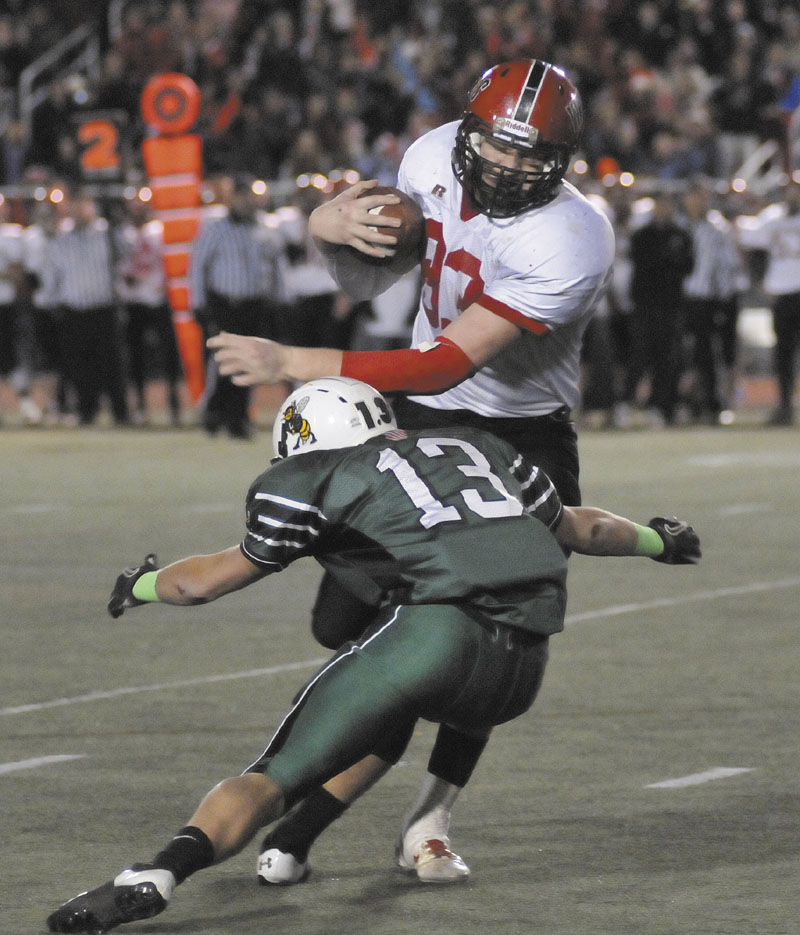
[{"x": 434, "y": 511}]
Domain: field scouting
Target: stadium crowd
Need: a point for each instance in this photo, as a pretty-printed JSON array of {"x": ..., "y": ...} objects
[
  {"x": 675, "y": 93},
  {"x": 671, "y": 89}
]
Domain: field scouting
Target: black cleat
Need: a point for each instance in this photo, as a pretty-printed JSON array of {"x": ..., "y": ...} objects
[{"x": 137, "y": 893}]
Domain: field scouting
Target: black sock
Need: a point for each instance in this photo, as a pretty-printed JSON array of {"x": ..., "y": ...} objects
[
  {"x": 455, "y": 755},
  {"x": 299, "y": 828},
  {"x": 190, "y": 850}
]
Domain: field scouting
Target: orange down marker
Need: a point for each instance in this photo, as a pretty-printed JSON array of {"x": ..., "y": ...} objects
[{"x": 174, "y": 165}]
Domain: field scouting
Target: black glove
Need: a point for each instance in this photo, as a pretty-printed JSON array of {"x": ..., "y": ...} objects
[
  {"x": 681, "y": 542},
  {"x": 122, "y": 595}
]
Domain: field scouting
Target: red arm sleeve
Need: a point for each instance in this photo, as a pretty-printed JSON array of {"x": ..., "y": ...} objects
[{"x": 427, "y": 370}]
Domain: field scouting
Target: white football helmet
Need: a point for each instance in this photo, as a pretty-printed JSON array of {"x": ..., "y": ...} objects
[{"x": 334, "y": 412}]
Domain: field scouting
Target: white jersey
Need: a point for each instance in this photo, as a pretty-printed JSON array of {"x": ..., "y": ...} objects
[
  {"x": 544, "y": 270},
  {"x": 11, "y": 253},
  {"x": 140, "y": 275},
  {"x": 779, "y": 234}
]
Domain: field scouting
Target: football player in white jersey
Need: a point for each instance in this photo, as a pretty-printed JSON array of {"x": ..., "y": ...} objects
[
  {"x": 777, "y": 231},
  {"x": 515, "y": 262}
]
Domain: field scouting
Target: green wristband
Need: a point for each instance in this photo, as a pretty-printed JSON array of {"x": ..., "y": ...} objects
[
  {"x": 144, "y": 588},
  {"x": 648, "y": 541}
]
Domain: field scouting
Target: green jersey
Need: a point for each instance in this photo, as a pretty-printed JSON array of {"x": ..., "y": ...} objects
[{"x": 425, "y": 517}]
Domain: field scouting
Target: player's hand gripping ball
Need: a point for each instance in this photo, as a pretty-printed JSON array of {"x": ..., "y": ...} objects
[
  {"x": 411, "y": 233},
  {"x": 122, "y": 595}
]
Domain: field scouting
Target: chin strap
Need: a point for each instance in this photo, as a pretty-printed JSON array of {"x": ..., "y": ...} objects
[{"x": 433, "y": 366}]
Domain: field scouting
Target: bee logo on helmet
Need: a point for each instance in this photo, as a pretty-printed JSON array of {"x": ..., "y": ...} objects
[{"x": 295, "y": 424}]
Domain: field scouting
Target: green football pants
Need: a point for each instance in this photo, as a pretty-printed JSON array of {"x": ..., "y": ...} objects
[{"x": 433, "y": 661}]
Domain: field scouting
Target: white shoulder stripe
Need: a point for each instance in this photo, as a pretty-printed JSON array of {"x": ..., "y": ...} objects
[
  {"x": 285, "y": 501},
  {"x": 269, "y": 521},
  {"x": 278, "y": 543}
]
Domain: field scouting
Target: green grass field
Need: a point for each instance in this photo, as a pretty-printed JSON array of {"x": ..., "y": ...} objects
[{"x": 662, "y": 673}]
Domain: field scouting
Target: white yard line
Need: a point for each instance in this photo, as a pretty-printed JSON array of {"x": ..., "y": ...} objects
[
  {"x": 695, "y": 779},
  {"x": 160, "y": 686},
  {"x": 38, "y": 761},
  {"x": 603, "y": 612},
  {"x": 33, "y": 508},
  {"x": 735, "y": 459},
  {"x": 742, "y": 509},
  {"x": 753, "y": 588}
]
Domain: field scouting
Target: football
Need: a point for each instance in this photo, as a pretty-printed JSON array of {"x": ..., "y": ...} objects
[{"x": 410, "y": 235}]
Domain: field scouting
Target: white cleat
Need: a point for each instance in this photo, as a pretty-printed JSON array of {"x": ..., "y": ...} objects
[
  {"x": 432, "y": 861},
  {"x": 281, "y": 869}
]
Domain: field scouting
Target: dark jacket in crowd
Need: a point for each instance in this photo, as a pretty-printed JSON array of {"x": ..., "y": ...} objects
[{"x": 662, "y": 256}]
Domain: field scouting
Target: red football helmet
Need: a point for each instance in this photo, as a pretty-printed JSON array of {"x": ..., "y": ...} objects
[{"x": 533, "y": 107}]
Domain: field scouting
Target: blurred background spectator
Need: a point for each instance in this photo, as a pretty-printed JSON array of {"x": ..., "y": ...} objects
[
  {"x": 16, "y": 323},
  {"x": 711, "y": 308},
  {"x": 239, "y": 283},
  {"x": 662, "y": 256},
  {"x": 319, "y": 315},
  {"x": 141, "y": 287},
  {"x": 49, "y": 369},
  {"x": 674, "y": 87},
  {"x": 777, "y": 231},
  {"x": 78, "y": 288}
]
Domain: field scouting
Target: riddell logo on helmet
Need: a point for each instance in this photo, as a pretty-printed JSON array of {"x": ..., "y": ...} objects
[{"x": 516, "y": 128}]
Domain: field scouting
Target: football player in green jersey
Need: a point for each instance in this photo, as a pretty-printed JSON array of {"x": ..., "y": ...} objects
[{"x": 463, "y": 634}]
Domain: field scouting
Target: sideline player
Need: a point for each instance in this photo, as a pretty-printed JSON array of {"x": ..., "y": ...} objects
[
  {"x": 515, "y": 263},
  {"x": 777, "y": 230},
  {"x": 467, "y": 645}
]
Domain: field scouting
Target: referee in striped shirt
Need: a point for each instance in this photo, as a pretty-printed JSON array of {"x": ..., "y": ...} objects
[
  {"x": 238, "y": 284},
  {"x": 78, "y": 285}
]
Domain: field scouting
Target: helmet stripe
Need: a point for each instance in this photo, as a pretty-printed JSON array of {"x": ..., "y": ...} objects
[{"x": 530, "y": 92}]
